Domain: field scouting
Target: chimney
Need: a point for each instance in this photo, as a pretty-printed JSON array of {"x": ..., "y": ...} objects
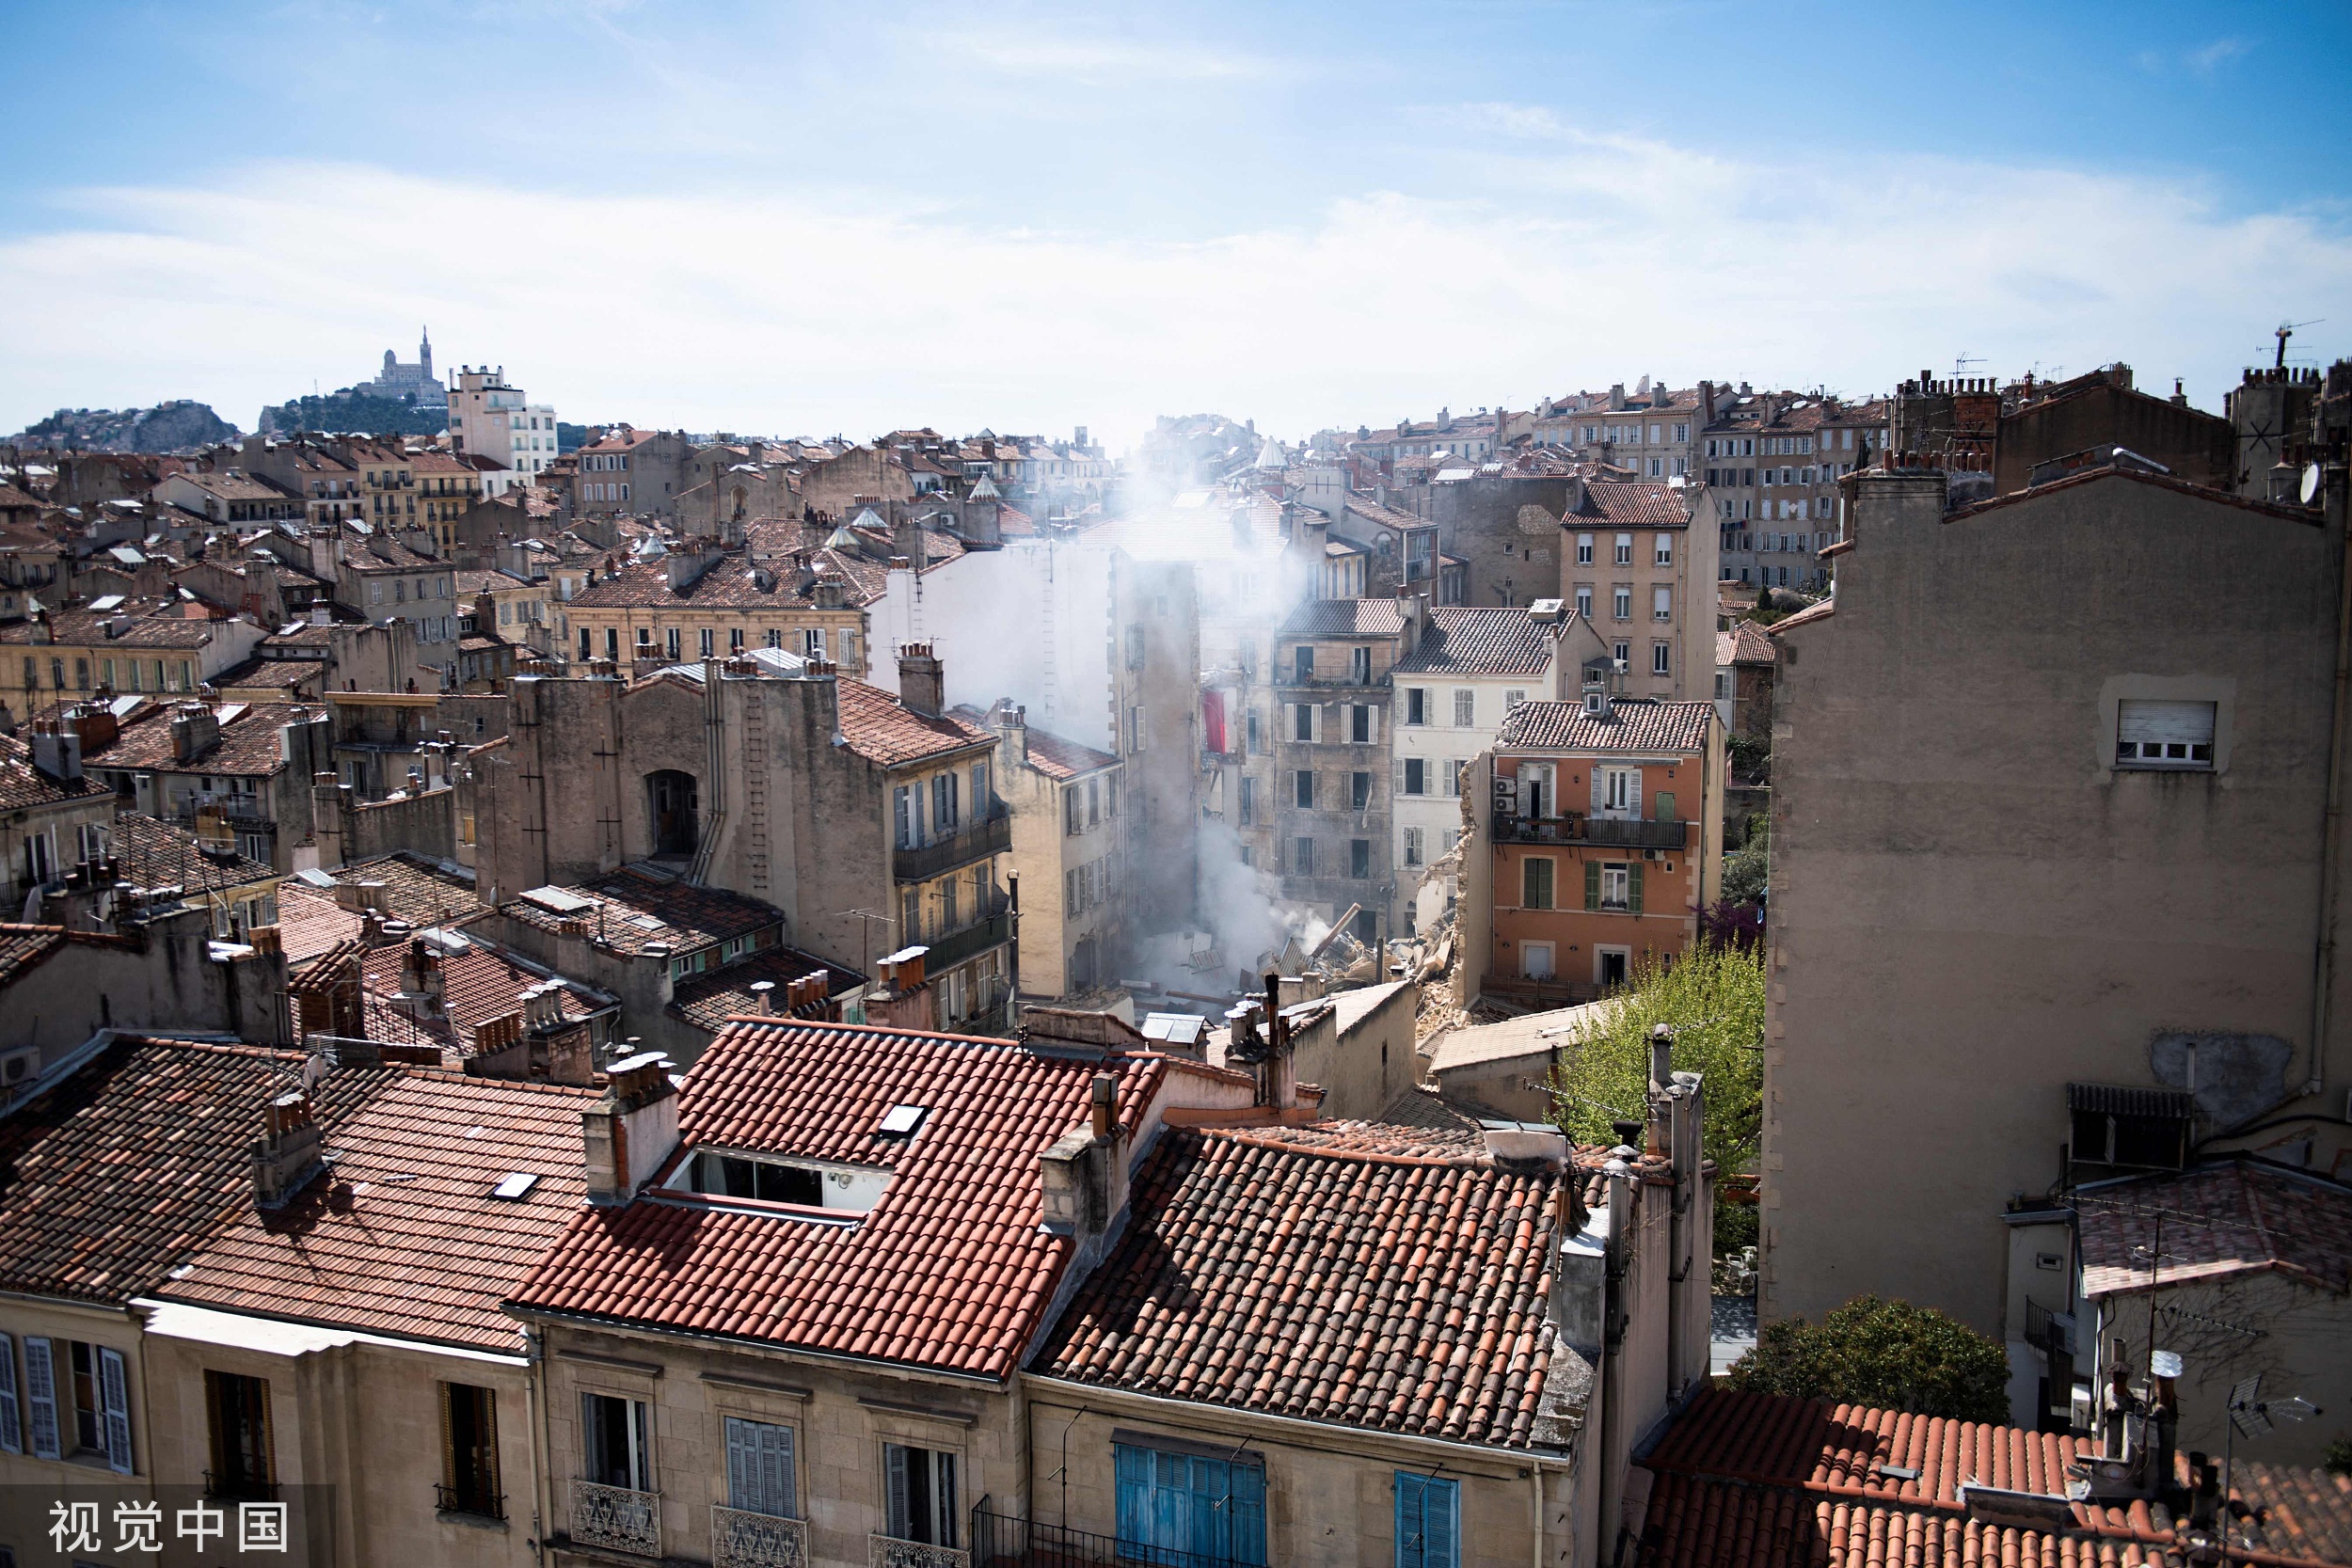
[
  {"x": 1012, "y": 734},
  {"x": 921, "y": 683},
  {"x": 422, "y": 988},
  {"x": 195, "y": 729},
  {"x": 1707, "y": 404},
  {"x": 1661, "y": 1082},
  {"x": 1085, "y": 1172},
  {"x": 57, "y": 751},
  {"x": 764, "y": 993},
  {"x": 289, "y": 1153},
  {"x": 632, "y": 1130}
]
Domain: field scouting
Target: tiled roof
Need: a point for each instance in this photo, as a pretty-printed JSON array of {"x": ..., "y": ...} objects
[
  {"x": 154, "y": 853},
  {"x": 382, "y": 553},
  {"x": 248, "y": 744},
  {"x": 729, "y": 584},
  {"x": 1050, "y": 754},
  {"x": 403, "y": 1236},
  {"x": 707, "y": 1001},
  {"x": 882, "y": 729},
  {"x": 1360, "y": 1275},
  {"x": 24, "y": 948},
  {"x": 1759, "y": 1480},
  {"x": 87, "y": 629},
  {"x": 1821, "y": 611},
  {"x": 470, "y": 583},
  {"x": 1480, "y": 643},
  {"x": 1631, "y": 505},
  {"x": 183, "y": 1117},
  {"x": 951, "y": 1268},
  {"x": 1634, "y": 724},
  {"x": 278, "y": 675},
  {"x": 1745, "y": 643},
  {"x": 2233, "y": 1217},
  {"x": 22, "y": 784},
  {"x": 629, "y": 910},
  {"x": 478, "y": 984},
  {"x": 309, "y": 925},
  {"x": 416, "y": 890},
  {"x": 1344, "y": 618}
]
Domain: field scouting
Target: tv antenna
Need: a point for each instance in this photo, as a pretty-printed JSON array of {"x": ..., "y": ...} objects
[
  {"x": 2251, "y": 1415},
  {"x": 1961, "y": 363},
  {"x": 2285, "y": 330}
]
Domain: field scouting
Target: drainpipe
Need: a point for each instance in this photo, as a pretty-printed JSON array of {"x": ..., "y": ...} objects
[
  {"x": 1535, "y": 1472},
  {"x": 1013, "y": 994},
  {"x": 715, "y": 754},
  {"x": 2331, "y": 832},
  {"x": 1620, "y": 1176},
  {"x": 543, "y": 1473}
]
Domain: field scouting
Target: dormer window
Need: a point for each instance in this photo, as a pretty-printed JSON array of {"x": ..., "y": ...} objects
[{"x": 772, "y": 1178}]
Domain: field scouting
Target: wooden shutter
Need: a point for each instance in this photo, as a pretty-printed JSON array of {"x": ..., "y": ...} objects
[
  {"x": 11, "y": 1419},
  {"x": 1600, "y": 798},
  {"x": 114, "y": 1399},
  {"x": 1592, "y": 884},
  {"x": 1633, "y": 888},
  {"x": 1439, "y": 1523},
  {"x": 1412, "y": 1541},
  {"x": 1132, "y": 1466},
  {"x": 1633, "y": 792},
  {"x": 899, "y": 1524},
  {"x": 41, "y": 1397},
  {"x": 1666, "y": 805}
]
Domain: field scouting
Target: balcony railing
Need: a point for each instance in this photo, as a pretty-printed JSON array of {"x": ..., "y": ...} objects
[
  {"x": 1613, "y": 832},
  {"x": 990, "y": 836},
  {"x": 617, "y": 1517},
  {"x": 481, "y": 1505},
  {"x": 1001, "y": 1543},
  {"x": 952, "y": 949},
  {"x": 888, "y": 1551},
  {"x": 739, "y": 1539}
]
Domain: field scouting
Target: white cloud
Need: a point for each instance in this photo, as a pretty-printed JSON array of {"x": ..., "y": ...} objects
[
  {"x": 761, "y": 310},
  {"x": 1040, "y": 52}
]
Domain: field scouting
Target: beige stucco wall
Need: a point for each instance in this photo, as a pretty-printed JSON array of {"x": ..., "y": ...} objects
[{"x": 1971, "y": 907}]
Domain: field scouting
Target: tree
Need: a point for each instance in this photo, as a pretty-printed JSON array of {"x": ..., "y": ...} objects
[
  {"x": 1748, "y": 868},
  {"x": 1887, "y": 1354},
  {"x": 1713, "y": 997}
]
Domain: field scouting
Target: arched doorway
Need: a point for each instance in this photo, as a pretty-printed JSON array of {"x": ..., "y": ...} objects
[{"x": 670, "y": 800}]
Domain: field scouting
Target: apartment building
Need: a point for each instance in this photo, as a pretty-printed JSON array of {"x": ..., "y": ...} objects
[
  {"x": 631, "y": 473},
  {"x": 389, "y": 579},
  {"x": 490, "y": 417},
  {"x": 1772, "y": 463},
  {"x": 1632, "y": 565},
  {"x": 1472, "y": 669},
  {"x": 1650, "y": 432},
  {"x": 1599, "y": 842},
  {"x": 2053, "y": 890},
  {"x": 246, "y": 766},
  {"x": 694, "y": 603},
  {"x": 116, "y": 644},
  {"x": 1068, "y": 848},
  {"x": 448, "y": 486},
  {"x": 1334, "y": 831}
]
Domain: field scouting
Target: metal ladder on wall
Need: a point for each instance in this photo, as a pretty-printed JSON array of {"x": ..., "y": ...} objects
[
  {"x": 1046, "y": 642},
  {"x": 756, "y": 764}
]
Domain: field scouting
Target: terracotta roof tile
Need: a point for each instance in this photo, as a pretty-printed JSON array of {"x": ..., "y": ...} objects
[
  {"x": 2242, "y": 1218},
  {"x": 1631, "y": 505},
  {"x": 22, "y": 785},
  {"x": 1342, "y": 1277},
  {"x": 478, "y": 984},
  {"x": 1344, "y": 618},
  {"x": 880, "y": 728},
  {"x": 708, "y": 1001},
  {"x": 631, "y": 911},
  {"x": 1745, "y": 643},
  {"x": 87, "y": 627},
  {"x": 403, "y": 1236},
  {"x": 1480, "y": 643},
  {"x": 951, "y": 1269},
  {"x": 1756, "y": 1480},
  {"x": 419, "y": 891},
  {"x": 309, "y": 925},
  {"x": 25, "y": 947},
  {"x": 248, "y": 744},
  {"x": 154, "y": 853},
  {"x": 1633, "y": 724}
]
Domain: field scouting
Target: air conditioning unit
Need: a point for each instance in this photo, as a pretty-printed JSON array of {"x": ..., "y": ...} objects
[{"x": 17, "y": 1066}]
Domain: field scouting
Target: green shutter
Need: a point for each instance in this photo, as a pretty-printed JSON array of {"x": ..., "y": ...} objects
[
  {"x": 1592, "y": 884},
  {"x": 1666, "y": 805},
  {"x": 1633, "y": 888}
]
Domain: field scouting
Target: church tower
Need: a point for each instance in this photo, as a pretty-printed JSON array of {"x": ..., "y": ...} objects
[{"x": 424, "y": 352}]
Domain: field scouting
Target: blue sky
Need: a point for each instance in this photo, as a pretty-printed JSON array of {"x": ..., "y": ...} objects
[{"x": 810, "y": 220}]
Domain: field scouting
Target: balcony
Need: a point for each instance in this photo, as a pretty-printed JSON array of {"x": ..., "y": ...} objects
[
  {"x": 616, "y": 1518},
  {"x": 888, "y": 1551},
  {"x": 744, "y": 1540},
  {"x": 989, "y": 837},
  {"x": 1611, "y": 832},
  {"x": 998, "y": 1541},
  {"x": 956, "y": 946}
]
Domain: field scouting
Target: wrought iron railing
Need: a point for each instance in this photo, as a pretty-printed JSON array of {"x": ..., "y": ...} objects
[
  {"x": 741, "y": 1539},
  {"x": 989, "y": 837},
  {"x": 1624, "y": 832},
  {"x": 998, "y": 1541},
  {"x": 888, "y": 1551},
  {"x": 952, "y": 949},
  {"x": 459, "y": 1500},
  {"x": 617, "y": 1517}
]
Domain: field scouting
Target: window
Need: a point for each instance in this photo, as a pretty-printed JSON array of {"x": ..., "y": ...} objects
[
  {"x": 1623, "y": 602},
  {"x": 1303, "y": 722},
  {"x": 1303, "y": 662},
  {"x": 1412, "y": 847},
  {"x": 1359, "y": 666},
  {"x": 1513, "y": 699},
  {"x": 1303, "y": 789},
  {"x": 944, "y": 813},
  {"x": 760, "y": 1468},
  {"x": 909, "y": 916},
  {"x": 1723, "y": 685},
  {"x": 469, "y": 1451},
  {"x": 1621, "y": 652},
  {"x": 1660, "y": 658},
  {"x": 1302, "y": 856},
  {"x": 1178, "y": 1506},
  {"x": 906, "y": 817},
  {"x": 2164, "y": 734},
  {"x": 1583, "y": 549},
  {"x": 1416, "y": 780},
  {"x": 671, "y": 644},
  {"x": 1360, "y": 723},
  {"x": 1536, "y": 884},
  {"x": 1136, "y": 730},
  {"x": 1429, "y": 1520},
  {"x": 1664, "y": 555},
  {"x": 922, "y": 1494},
  {"x": 1359, "y": 791},
  {"x": 1584, "y": 600},
  {"x": 1661, "y": 603},
  {"x": 236, "y": 1410},
  {"x": 1465, "y": 707},
  {"x": 1451, "y": 772},
  {"x": 1625, "y": 549},
  {"x": 1359, "y": 858},
  {"x": 87, "y": 1381},
  {"x": 1248, "y": 801},
  {"x": 2145, "y": 1128},
  {"x": 616, "y": 1441},
  {"x": 1417, "y": 705}
]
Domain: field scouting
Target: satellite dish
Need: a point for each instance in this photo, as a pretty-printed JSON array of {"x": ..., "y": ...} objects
[{"x": 2310, "y": 484}]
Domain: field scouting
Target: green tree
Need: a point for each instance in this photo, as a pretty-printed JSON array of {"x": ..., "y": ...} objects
[
  {"x": 1748, "y": 868},
  {"x": 1713, "y": 998},
  {"x": 1888, "y": 1355}
]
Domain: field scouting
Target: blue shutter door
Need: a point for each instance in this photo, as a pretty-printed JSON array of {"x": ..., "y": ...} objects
[
  {"x": 895, "y": 1463},
  {"x": 41, "y": 1394},
  {"x": 1211, "y": 1515},
  {"x": 1133, "y": 1467},
  {"x": 11, "y": 1420},
  {"x": 114, "y": 1393},
  {"x": 742, "y": 1479},
  {"x": 1248, "y": 1515},
  {"x": 782, "y": 1481},
  {"x": 1408, "y": 1537},
  {"x": 1441, "y": 1503}
]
